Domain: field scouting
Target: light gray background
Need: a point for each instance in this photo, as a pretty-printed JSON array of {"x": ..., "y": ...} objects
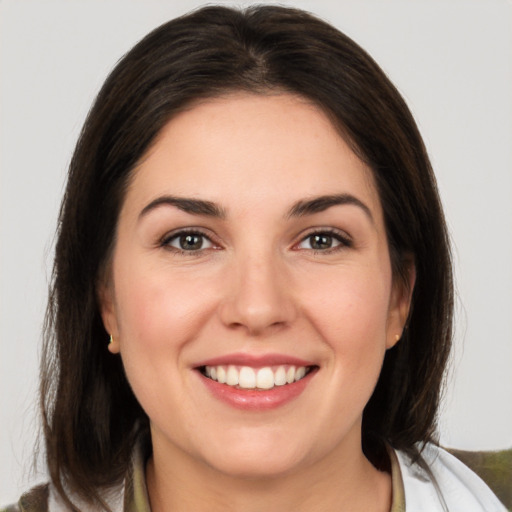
[{"x": 451, "y": 59}]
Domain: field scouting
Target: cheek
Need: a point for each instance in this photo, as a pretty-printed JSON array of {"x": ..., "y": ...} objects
[
  {"x": 352, "y": 319},
  {"x": 156, "y": 308},
  {"x": 352, "y": 301},
  {"x": 158, "y": 315}
]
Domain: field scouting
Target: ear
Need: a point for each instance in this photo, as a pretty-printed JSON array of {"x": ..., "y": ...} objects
[
  {"x": 400, "y": 302},
  {"x": 106, "y": 300}
]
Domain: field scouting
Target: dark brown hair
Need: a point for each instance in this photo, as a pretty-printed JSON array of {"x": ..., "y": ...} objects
[{"x": 91, "y": 418}]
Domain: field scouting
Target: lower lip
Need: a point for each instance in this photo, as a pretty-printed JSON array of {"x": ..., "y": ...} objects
[{"x": 251, "y": 399}]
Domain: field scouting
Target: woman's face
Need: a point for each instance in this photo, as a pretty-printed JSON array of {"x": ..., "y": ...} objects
[{"x": 251, "y": 249}]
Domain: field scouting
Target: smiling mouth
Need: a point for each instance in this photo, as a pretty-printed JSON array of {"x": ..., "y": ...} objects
[{"x": 263, "y": 379}]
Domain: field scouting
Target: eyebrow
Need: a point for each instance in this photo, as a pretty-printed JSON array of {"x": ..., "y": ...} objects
[
  {"x": 188, "y": 205},
  {"x": 322, "y": 203},
  {"x": 299, "y": 209}
]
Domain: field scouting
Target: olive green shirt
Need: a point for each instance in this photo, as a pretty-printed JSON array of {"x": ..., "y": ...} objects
[{"x": 132, "y": 495}]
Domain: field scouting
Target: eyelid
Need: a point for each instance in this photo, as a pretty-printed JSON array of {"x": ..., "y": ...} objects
[
  {"x": 341, "y": 236},
  {"x": 165, "y": 240}
]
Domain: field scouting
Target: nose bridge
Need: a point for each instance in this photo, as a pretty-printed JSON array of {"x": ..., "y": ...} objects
[{"x": 258, "y": 297}]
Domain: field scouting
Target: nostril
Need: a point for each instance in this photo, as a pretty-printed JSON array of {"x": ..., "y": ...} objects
[{"x": 257, "y": 304}]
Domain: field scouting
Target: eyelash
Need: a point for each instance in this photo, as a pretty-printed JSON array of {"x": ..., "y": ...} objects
[
  {"x": 345, "y": 242},
  {"x": 343, "y": 239},
  {"x": 165, "y": 242}
]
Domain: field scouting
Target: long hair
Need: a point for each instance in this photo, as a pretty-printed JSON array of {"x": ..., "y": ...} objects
[{"x": 91, "y": 417}]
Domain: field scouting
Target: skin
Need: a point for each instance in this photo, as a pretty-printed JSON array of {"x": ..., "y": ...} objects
[{"x": 256, "y": 287}]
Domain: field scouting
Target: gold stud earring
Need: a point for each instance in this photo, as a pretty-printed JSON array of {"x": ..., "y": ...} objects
[
  {"x": 113, "y": 345},
  {"x": 397, "y": 337}
]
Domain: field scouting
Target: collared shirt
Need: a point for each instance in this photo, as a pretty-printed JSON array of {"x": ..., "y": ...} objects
[{"x": 445, "y": 486}]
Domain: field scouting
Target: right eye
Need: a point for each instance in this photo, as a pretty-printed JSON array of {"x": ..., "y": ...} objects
[
  {"x": 186, "y": 241},
  {"x": 325, "y": 241}
]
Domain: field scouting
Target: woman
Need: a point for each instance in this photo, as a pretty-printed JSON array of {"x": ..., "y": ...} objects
[{"x": 252, "y": 297}]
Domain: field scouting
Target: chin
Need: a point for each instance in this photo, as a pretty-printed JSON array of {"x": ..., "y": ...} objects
[
  {"x": 258, "y": 467},
  {"x": 262, "y": 460}
]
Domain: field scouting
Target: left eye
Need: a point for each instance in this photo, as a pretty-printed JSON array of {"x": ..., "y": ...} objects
[
  {"x": 189, "y": 242},
  {"x": 322, "y": 241}
]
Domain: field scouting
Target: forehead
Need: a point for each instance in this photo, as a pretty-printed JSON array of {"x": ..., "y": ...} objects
[{"x": 250, "y": 148}]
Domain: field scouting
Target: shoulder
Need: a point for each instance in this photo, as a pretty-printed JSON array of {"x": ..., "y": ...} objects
[
  {"x": 128, "y": 494},
  {"x": 35, "y": 500},
  {"x": 441, "y": 482},
  {"x": 45, "y": 498}
]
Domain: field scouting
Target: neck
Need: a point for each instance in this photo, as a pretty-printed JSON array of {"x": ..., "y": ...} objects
[{"x": 339, "y": 482}]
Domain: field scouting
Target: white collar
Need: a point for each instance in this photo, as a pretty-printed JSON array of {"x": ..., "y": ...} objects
[{"x": 449, "y": 486}]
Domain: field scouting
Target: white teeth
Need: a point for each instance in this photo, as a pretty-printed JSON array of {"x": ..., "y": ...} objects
[
  {"x": 221, "y": 374},
  {"x": 232, "y": 376},
  {"x": 247, "y": 378},
  {"x": 299, "y": 374},
  {"x": 265, "y": 378},
  {"x": 250, "y": 378},
  {"x": 280, "y": 376}
]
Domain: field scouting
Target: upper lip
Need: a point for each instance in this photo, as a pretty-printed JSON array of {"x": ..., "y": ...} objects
[{"x": 255, "y": 360}]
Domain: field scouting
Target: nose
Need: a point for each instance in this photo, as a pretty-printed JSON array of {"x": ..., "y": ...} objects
[{"x": 258, "y": 296}]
